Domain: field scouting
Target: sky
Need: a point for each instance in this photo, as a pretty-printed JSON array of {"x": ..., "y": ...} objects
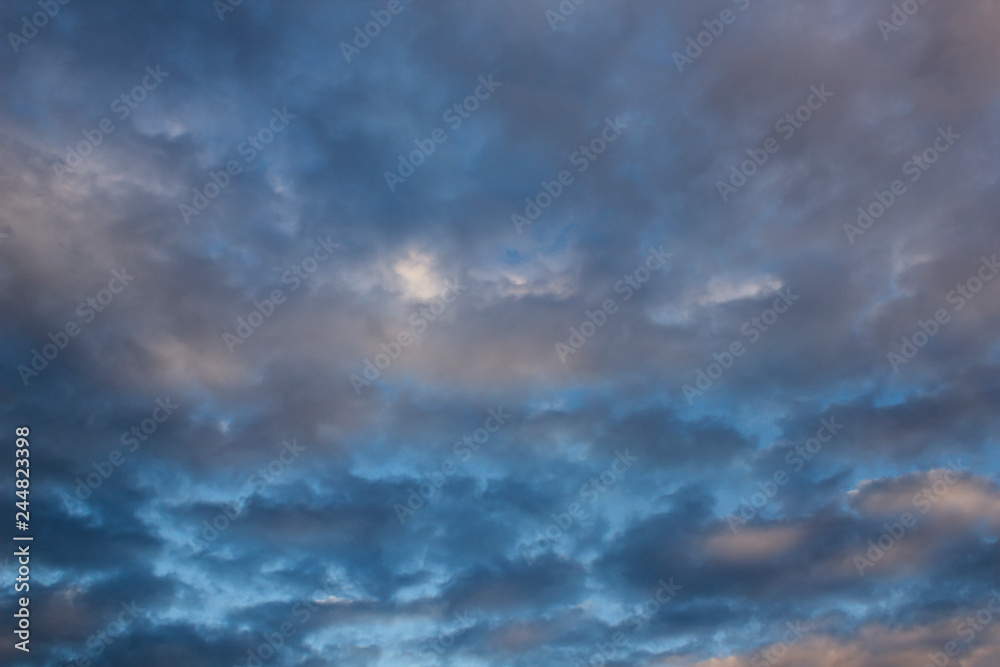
[{"x": 468, "y": 333}]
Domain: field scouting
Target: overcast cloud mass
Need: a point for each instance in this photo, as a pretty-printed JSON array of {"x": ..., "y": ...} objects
[{"x": 514, "y": 333}]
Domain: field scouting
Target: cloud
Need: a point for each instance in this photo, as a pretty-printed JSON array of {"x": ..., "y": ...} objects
[{"x": 324, "y": 534}]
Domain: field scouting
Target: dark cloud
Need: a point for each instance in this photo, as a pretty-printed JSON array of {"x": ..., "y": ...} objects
[{"x": 400, "y": 533}]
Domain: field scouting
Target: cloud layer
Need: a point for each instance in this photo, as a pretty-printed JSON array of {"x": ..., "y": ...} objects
[{"x": 526, "y": 333}]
